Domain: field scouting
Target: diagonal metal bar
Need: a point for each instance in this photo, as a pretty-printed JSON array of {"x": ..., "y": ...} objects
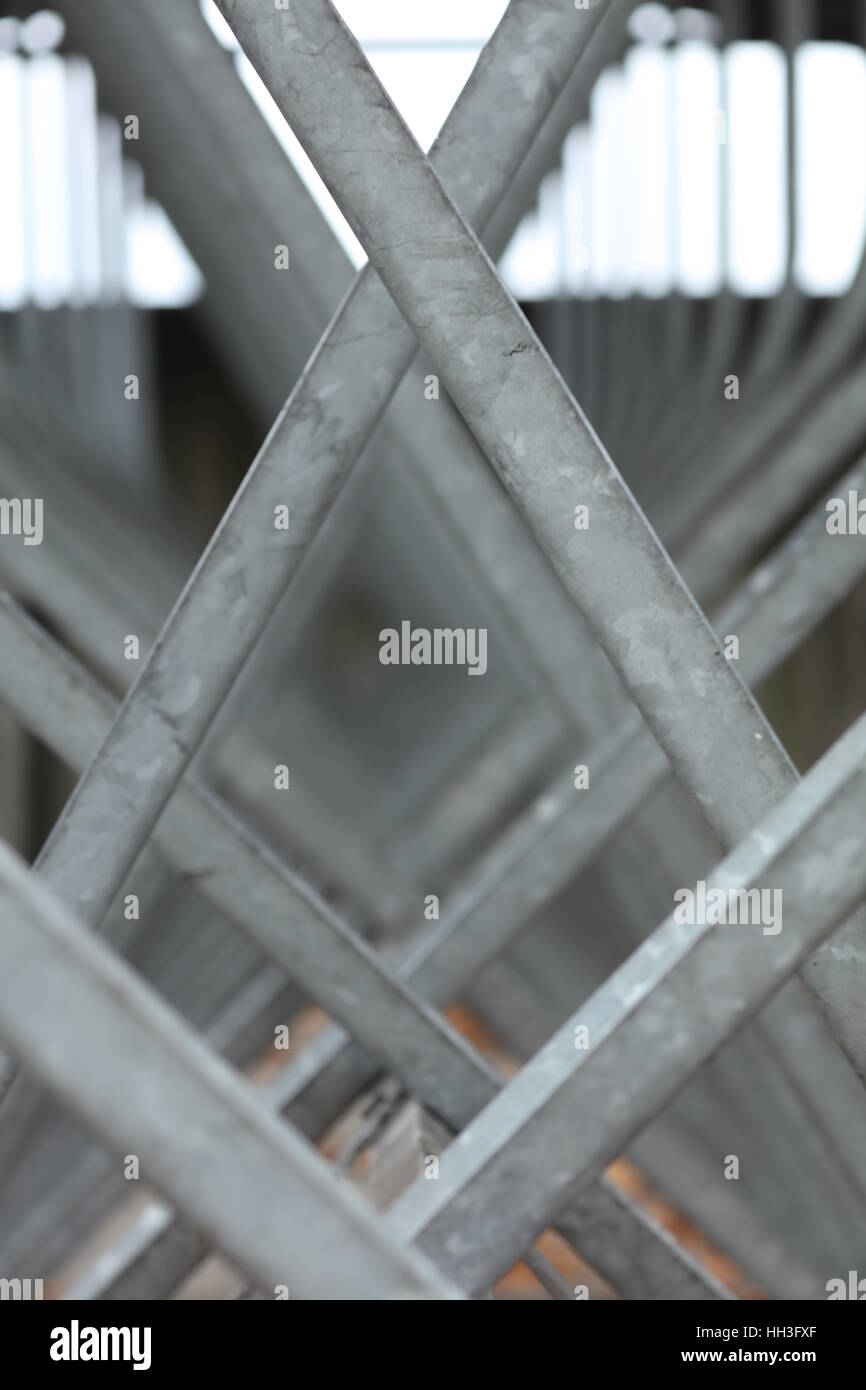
[
  {"x": 297, "y": 931},
  {"x": 651, "y": 1026},
  {"x": 58, "y": 1212},
  {"x": 552, "y": 880},
  {"x": 730, "y": 622},
  {"x": 786, "y": 596},
  {"x": 619, "y": 1238},
  {"x": 507, "y": 391},
  {"x": 63, "y": 579},
  {"x": 611, "y": 43},
  {"x": 510, "y": 577},
  {"x": 226, "y": 185},
  {"x": 133, "y": 49},
  {"x": 678, "y": 1152},
  {"x": 248, "y": 563},
  {"x": 773, "y": 611},
  {"x": 272, "y": 906},
  {"x": 718, "y": 743},
  {"x": 810, "y": 451},
  {"x": 67, "y": 581},
  {"x": 261, "y": 1194},
  {"x": 835, "y": 549},
  {"x": 560, "y": 833}
]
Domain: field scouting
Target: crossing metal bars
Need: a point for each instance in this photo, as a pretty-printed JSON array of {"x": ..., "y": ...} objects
[{"x": 247, "y": 1183}]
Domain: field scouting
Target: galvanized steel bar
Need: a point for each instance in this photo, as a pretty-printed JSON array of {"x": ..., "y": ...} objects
[
  {"x": 500, "y": 378},
  {"x": 307, "y": 940},
  {"x": 718, "y": 743},
  {"x": 197, "y": 191},
  {"x": 561, "y": 832},
  {"x": 221, "y": 173},
  {"x": 662, "y": 1014},
  {"x": 545, "y": 849},
  {"x": 102, "y": 1041},
  {"x": 406, "y": 1007},
  {"x": 245, "y": 881},
  {"x": 248, "y": 563},
  {"x": 810, "y": 452}
]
